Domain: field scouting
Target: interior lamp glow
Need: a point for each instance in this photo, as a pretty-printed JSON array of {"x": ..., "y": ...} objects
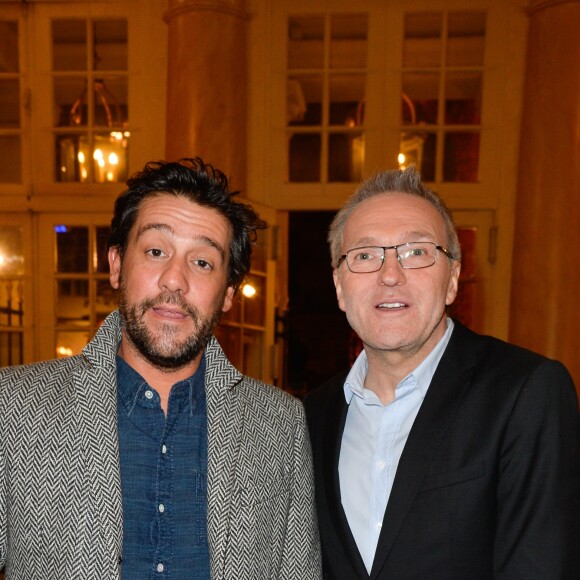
[{"x": 248, "y": 291}]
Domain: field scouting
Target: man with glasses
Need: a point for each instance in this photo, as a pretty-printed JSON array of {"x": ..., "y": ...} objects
[{"x": 441, "y": 453}]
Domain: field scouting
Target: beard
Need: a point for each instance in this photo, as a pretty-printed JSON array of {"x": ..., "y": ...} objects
[{"x": 163, "y": 349}]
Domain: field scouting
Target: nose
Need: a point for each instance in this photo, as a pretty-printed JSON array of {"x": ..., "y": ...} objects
[
  {"x": 391, "y": 273},
  {"x": 173, "y": 278}
]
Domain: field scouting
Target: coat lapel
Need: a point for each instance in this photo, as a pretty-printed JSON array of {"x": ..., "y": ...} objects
[
  {"x": 451, "y": 380},
  {"x": 96, "y": 391},
  {"x": 333, "y": 430},
  {"x": 225, "y": 415}
]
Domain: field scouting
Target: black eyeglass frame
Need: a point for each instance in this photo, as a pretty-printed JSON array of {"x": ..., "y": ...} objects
[{"x": 396, "y": 248}]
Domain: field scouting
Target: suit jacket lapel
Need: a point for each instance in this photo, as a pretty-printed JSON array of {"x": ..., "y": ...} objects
[
  {"x": 225, "y": 415},
  {"x": 443, "y": 398},
  {"x": 334, "y": 427}
]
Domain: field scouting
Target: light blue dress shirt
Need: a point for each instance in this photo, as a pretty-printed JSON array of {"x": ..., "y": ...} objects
[{"x": 373, "y": 441}]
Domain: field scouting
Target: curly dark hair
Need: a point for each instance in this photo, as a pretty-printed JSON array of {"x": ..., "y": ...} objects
[{"x": 198, "y": 182}]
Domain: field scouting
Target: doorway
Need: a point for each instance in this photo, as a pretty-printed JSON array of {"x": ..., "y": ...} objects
[{"x": 317, "y": 331}]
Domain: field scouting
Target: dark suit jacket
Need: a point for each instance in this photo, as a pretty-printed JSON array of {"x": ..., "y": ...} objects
[{"x": 488, "y": 485}]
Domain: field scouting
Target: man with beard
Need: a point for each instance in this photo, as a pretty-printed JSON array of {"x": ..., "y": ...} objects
[{"x": 149, "y": 455}]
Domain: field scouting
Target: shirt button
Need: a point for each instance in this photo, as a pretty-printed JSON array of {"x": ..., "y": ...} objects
[
  {"x": 380, "y": 465},
  {"x": 378, "y": 525},
  {"x": 163, "y": 449},
  {"x": 160, "y": 567},
  {"x": 161, "y": 508},
  {"x": 149, "y": 394}
]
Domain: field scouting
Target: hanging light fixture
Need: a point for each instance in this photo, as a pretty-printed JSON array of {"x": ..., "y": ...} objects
[
  {"x": 103, "y": 152},
  {"x": 108, "y": 151}
]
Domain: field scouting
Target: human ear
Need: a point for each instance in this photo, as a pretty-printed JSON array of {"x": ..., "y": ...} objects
[
  {"x": 228, "y": 299},
  {"x": 338, "y": 288},
  {"x": 453, "y": 282},
  {"x": 114, "y": 267}
]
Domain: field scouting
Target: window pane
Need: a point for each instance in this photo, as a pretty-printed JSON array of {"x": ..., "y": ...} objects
[
  {"x": 345, "y": 157},
  {"x": 420, "y": 100},
  {"x": 419, "y": 149},
  {"x": 9, "y": 104},
  {"x": 72, "y": 303},
  {"x": 304, "y": 101},
  {"x": 72, "y": 154},
  {"x": 229, "y": 339},
  {"x": 259, "y": 250},
  {"x": 70, "y": 343},
  {"x": 348, "y": 41},
  {"x": 461, "y": 157},
  {"x": 467, "y": 304},
  {"x": 305, "y": 42},
  {"x": 102, "y": 237},
  {"x": 304, "y": 157},
  {"x": 106, "y": 300},
  {"x": 252, "y": 352},
  {"x": 110, "y": 98},
  {"x": 70, "y": 102},
  {"x": 11, "y": 251},
  {"x": 422, "y": 44},
  {"x": 109, "y": 158},
  {"x": 110, "y": 37},
  {"x": 347, "y": 94},
  {"x": 72, "y": 247},
  {"x": 254, "y": 304},
  {"x": 91, "y": 101},
  {"x": 466, "y": 39},
  {"x": 11, "y": 302},
  {"x": 9, "y": 46},
  {"x": 12, "y": 305},
  {"x": 463, "y": 98},
  {"x": 10, "y": 153},
  {"x": 234, "y": 314},
  {"x": 11, "y": 348},
  {"x": 69, "y": 45}
]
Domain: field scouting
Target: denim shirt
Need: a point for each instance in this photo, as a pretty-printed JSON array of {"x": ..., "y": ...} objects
[{"x": 163, "y": 477}]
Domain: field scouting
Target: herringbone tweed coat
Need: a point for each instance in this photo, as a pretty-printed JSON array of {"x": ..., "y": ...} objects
[{"x": 60, "y": 489}]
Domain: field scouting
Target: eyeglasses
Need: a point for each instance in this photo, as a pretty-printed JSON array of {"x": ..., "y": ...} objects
[{"x": 411, "y": 256}]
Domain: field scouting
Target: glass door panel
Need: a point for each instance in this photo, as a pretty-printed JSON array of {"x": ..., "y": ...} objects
[
  {"x": 246, "y": 332},
  {"x": 15, "y": 290},
  {"x": 75, "y": 266}
]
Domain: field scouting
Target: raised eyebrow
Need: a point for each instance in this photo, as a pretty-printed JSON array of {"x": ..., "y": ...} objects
[
  {"x": 418, "y": 237},
  {"x": 208, "y": 241},
  {"x": 155, "y": 226},
  {"x": 365, "y": 243},
  {"x": 168, "y": 229},
  {"x": 415, "y": 236}
]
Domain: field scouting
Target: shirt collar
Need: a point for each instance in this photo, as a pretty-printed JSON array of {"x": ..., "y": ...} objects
[
  {"x": 130, "y": 384},
  {"x": 423, "y": 374}
]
